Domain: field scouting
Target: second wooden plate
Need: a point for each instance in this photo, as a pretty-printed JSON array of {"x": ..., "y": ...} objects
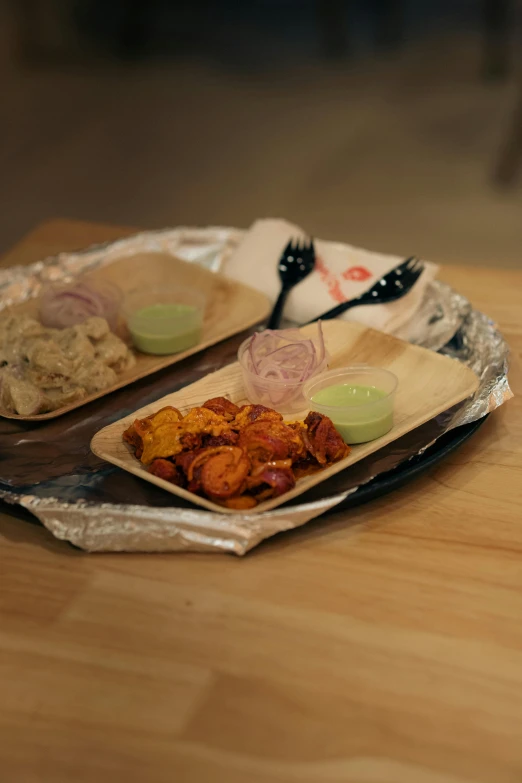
[{"x": 231, "y": 308}]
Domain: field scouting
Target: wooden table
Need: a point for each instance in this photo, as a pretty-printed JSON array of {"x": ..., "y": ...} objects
[{"x": 383, "y": 645}]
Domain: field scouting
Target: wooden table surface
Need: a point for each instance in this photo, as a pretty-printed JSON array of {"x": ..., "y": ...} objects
[{"x": 382, "y": 645}]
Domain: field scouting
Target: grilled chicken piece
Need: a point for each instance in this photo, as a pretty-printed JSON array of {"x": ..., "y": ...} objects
[
  {"x": 96, "y": 376},
  {"x": 265, "y": 440},
  {"x": 110, "y": 349},
  {"x": 21, "y": 396},
  {"x": 324, "y": 442},
  {"x": 223, "y": 407},
  {"x": 168, "y": 438},
  {"x": 165, "y": 469},
  {"x": 164, "y": 415},
  {"x": 223, "y": 471},
  {"x": 95, "y": 327},
  {"x": 134, "y": 434},
  {"x": 249, "y": 413}
]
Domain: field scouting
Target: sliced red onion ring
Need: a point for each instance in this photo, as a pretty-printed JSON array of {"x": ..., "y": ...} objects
[{"x": 70, "y": 304}]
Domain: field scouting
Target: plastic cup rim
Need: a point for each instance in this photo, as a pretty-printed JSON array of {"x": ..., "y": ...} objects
[
  {"x": 341, "y": 371},
  {"x": 270, "y": 381}
]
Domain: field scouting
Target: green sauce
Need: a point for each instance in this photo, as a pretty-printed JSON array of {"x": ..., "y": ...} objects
[
  {"x": 359, "y": 413},
  {"x": 166, "y": 328}
]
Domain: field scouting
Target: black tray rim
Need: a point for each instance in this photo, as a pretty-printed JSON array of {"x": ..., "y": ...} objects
[{"x": 412, "y": 468}]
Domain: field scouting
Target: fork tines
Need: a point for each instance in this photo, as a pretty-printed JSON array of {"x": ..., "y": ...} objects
[
  {"x": 298, "y": 245},
  {"x": 411, "y": 264}
]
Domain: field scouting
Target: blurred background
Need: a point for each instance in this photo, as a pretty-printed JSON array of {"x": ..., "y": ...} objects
[{"x": 391, "y": 124}]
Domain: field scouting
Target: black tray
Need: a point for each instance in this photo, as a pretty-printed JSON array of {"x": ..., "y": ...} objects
[
  {"x": 381, "y": 485},
  {"x": 53, "y": 459},
  {"x": 412, "y": 468}
]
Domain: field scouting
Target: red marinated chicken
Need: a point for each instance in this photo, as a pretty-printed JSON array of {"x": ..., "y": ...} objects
[
  {"x": 236, "y": 457},
  {"x": 222, "y": 406},
  {"x": 325, "y": 443}
]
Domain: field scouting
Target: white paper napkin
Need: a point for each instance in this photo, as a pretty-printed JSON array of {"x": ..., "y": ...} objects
[{"x": 342, "y": 272}]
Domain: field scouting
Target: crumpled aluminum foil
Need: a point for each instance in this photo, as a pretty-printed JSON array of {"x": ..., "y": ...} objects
[
  {"x": 446, "y": 321},
  {"x": 479, "y": 344}
]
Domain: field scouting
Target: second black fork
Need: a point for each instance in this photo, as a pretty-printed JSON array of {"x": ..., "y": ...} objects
[{"x": 392, "y": 286}]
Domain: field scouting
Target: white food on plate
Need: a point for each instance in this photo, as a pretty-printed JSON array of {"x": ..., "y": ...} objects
[{"x": 44, "y": 369}]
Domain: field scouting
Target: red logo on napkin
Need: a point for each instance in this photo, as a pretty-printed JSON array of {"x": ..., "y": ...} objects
[
  {"x": 332, "y": 283},
  {"x": 357, "y": 273}
]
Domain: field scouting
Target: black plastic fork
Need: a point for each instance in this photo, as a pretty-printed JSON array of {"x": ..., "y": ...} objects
[
  {"x": 295, "y": 264},
  {"x": 394, "y": 285}
]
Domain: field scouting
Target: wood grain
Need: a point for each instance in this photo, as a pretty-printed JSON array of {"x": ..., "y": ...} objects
[
  {"x": 428, "y": 385},
  {"x": 380, "y": 645},
  {"x": 231, "y": 307}
]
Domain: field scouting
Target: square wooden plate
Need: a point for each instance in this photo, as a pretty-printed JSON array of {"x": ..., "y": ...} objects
[
  {"x": 428, "y": 385},
  {"x": 231, "y": 308}
]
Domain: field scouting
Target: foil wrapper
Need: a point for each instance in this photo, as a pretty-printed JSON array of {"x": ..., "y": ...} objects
[{"x": 97, "y": 520}]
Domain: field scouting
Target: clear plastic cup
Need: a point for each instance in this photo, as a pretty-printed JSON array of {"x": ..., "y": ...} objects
[
  {"x": 164, "y": 319},
  {"x": 359, "y": 400},
  {"x": 283, "y": 396}
]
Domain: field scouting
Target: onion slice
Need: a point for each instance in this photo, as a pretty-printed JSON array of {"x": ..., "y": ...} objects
[
  {"x": 69, "y": 304},
  {"x": 278, "y": 362},
  {"x": 285, "y": 354}
]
